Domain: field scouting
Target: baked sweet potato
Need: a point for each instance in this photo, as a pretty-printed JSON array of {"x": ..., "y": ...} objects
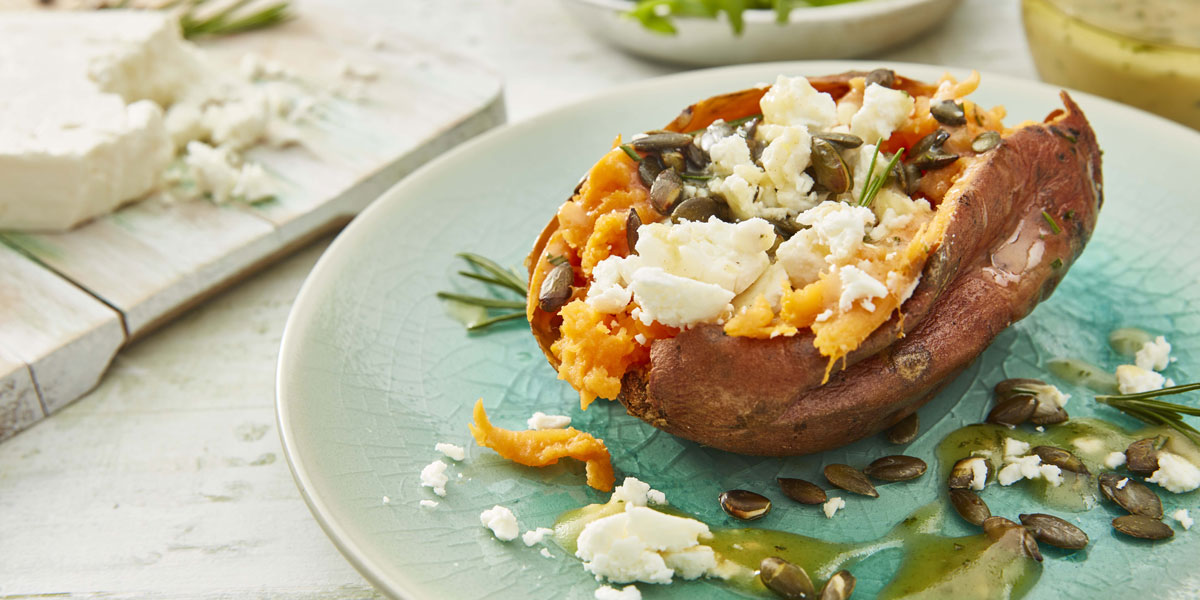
[{"x": 1009, "y": 210}]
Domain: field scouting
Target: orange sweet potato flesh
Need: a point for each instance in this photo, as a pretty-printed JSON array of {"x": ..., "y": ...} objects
[
  {"x": 766, "y": 396},
  {"x": 540, "y": 448}
]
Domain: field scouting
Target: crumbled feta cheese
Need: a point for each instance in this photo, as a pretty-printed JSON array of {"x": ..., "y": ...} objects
[
  {"x": 387, "y": 500},
  {"x": 606, "y": 294},
  {"x": 501, "y": 521},
  {"x": 794, "y": 101},
  {"x": 769, "y": 285},
  {"x": 546, "y": 553},
  {"x": 541, "y": 420},
  {"x": 1122, "y": 483},
  {"x": 451, "y": 451},
  {"x": 1015, "y": 447},
  {"x": 859, "y": 286},
  {"x": 1114, "y": 459},
  {"x": 1154, "y": 355},
  {"x": 824, "y": 315},
  {"x": 883, "y": 111},
  {"x": 434, "y": 476},
  {"x": 832, "y": 505},
  {"x": 642, "y": 544},
  {"x": 979, "y": 472},
  {"x": 628, "y": 592},
  {"x": 677, "y": 301},
  {"x": 1052, "y": 474},
  {"x": 1039, "y": 429},
  {"x": 1132, "y": 379},
  {"x": 635, "y": 492},
  {"x": 730, "y": 152},
  {"x": 1184, "y": 519},
  {"x": 1089, "y": 445},
  {"x": 640, "y": 338},
  {"x": 1175, "y": 473},
  {"x": 536, "y": 536},
  {"x": 428, "y": 504},
  {"x": 839, "y": 226},
  {"x": 656, "y": 497},
  {"x": 786, "y": 158},
  {"x": 1018, "y": 468}
]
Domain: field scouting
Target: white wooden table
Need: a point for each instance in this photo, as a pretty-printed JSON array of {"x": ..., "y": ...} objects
[{"x": 168, "y": 481}]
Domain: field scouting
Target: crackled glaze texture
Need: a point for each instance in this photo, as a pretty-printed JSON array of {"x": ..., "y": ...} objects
[{"x": 374, "y": 371}]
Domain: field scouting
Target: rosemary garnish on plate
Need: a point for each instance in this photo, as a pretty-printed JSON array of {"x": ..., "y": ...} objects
[
  {"x": 217, "y": 18},
  {"x": 1144, "y": 407},
  {"x": 497, "y": 278}
]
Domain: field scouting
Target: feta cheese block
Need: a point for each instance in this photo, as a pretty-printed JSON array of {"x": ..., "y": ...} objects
[{"x": 83, "y": 130}]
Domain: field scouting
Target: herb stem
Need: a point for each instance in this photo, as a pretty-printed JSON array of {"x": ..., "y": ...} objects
[
  {"x": 481, "y": 301},
  {"x": 477, "y": 325},
  {"x": 492, "y": 281},
  {"x": 1144, "y": 407},
  {"x": 631, "y": 152},
  {"x": 1179, "y": 389},
  {"x": 1053, "y": 224},
  {"x": 512, "y": 281}
]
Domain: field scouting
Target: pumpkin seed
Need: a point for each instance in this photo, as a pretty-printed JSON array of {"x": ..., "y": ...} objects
[
  {"x": 784, "y": 228},
  {"x": 985, "y": 141},
  {"x": 829, "y": 167},
  {"x": 1047, "y": 412},
  {"x": 896, "y": 468},
  {"x": 969, "y": 506},
  {"x": 1054, "y": 531},
  {"x": 905, "y": 431},
  {"x": 962, "y": 474},
  {"x": 697, "y": 158},
  {"x": 933, "y": 159},
  {"x": 998, "y": 527},
  {"x": 1017, "y": 387},
  {"x": 801, "y": 491},
  {"x": 745, "y": 505},
  {"x": 556, "y": 288},
  {"x": 850, "y": 479},
  {"x": 839, "y": 587},
  {"x": 649, "y": 168},
  {"x": 698, "y": 209},
  {"x": 1014, "y": 411},
  {"x": 674, "y": 160},
  {"x": 665, "y": 191},
  {"x": 843, "y": 141},
  {"x": 907, "y": 177},
  {"x": 884, "y": 77},
  {"x": 661, "y": 140},
  {"x": 933, "y": 141},
  {"x": 786, "y": 579},
  {"x": 632, "y": 222},
  {"x": 1133, "y": 496},
  {"x": 1062, "y": 459},
  {"x": 948, "y": 112},
  {"x": 1141, "y": 526},
  {"x": 1141, "y": 457}
]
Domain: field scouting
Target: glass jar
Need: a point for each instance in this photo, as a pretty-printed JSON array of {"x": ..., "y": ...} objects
[{"x": 1141, "y": 52}]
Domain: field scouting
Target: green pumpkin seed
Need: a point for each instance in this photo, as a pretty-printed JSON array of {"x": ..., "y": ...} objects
[
  {"x": 948, "y": 112},
  {"x": 829, "y": 167},
  {"x": 649, "y": 168},
  {"x": 850, "y": 479},
  {"x": 556, "y": 288},
  {"x": 839, "y": 587},
  {"x": 786, "y": 579},
  {"x": 1047, "y": 410},
  {"x": 674, "y": 160},
  {"x": 802, "y": 491},
  {"x": 985, "y": 141},
  {"x": 843, "y": 141},
  {"x": 962, "y": 474},
  {"x": 933, "y": 141},
  {"x": 665, "y": 191},
  {"x": 998, "y": 527},
  {"x": 744, "y": 504},
  {"x": 884, "y": 77},
  {"x": 699, "y": 209},
  {"x": 1054, "y": 531},
  {"x": 905, "y": 431},
  {"x": 1141, "y": 457},
  {"x": 934, "y": 159},
  {"x": 907, "y": 177},
  {"x": 896, "y": 468},
  {"x": 1141, "y": 526},
  {"x": 632, "y": 222},
  {"x": 661, "y": 140},
  {"x": 969, "y": 506},
  {"x": 1014, "y": 411},
  {"x": 1062, "y": 459},
  {"x": 1133, "y": 496},
  {"x": 1049, "y": 413}
]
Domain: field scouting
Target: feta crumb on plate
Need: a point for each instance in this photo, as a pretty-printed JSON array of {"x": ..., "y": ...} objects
[
  {"x": 434, "y": 476},
  {"x": 1132, "y": 379},
  {"x": 428, "y": 504},
  {"x": 546, "y": 553},
  {"x": 629, "y": 592},
  {"x": 536, "y": 536},
  {"x": 642, "y": 544},
  {"x": 451, "y": 451},
  {"x": 1176, "y": 473},
  {"x": 1114, "y": 459},
  {"x": 1184, "y": 519},
  {"x": 832, "y": 505},
  {"x": 1154, "y": 355},
  {"x": 635, "y": 492},
  {"x": 501, "y": 521},
  {"x": 541, "y": 420}
]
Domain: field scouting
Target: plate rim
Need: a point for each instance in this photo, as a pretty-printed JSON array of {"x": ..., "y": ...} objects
[
  {"x": 305, "y": 301},
  {"x": 807, "y": 14}
]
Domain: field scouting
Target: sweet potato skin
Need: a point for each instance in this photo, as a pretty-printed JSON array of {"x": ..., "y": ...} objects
[{"x": 764, "y": 397}]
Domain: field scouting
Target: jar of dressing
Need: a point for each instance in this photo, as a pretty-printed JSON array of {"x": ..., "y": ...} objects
[{"x": 1141, "y": 52}]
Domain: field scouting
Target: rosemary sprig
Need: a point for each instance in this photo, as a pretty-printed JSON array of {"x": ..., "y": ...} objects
[
  {"x": 1144, "y": 407},
  {"x": 629, "y": 151},
  {"x": 1053, "y": 224},
  {"x": 874, "y": 183},
  {"x": 231, "y": 18},
  {"x": 497, "y": 277}
]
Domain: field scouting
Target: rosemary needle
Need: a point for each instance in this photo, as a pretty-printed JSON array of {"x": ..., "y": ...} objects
[
  {"x": 1144, "y": 407},
  {"x": 497, "y": 278}
]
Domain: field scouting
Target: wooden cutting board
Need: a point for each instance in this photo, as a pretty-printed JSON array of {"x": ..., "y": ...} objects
[{"x": 70, "y": 301}]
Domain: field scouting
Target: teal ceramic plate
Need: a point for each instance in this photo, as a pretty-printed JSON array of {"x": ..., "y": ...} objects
[{"x": 374, "y": 371}]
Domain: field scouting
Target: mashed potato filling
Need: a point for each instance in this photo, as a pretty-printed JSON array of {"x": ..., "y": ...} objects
[{"x": 791, "y": 254}]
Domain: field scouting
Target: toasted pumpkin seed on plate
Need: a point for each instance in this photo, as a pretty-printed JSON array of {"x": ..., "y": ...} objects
[
  {"x": 788, "y": 580},
  {"x": 744, "y": 504},
  {"x": 850, "y": 479}
]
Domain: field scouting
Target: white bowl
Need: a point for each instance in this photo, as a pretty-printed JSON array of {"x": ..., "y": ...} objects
[{"x": 838, "y": 31}]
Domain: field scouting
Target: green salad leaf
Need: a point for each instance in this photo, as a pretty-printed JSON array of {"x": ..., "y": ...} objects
[{"x": 658, "y": 15}]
